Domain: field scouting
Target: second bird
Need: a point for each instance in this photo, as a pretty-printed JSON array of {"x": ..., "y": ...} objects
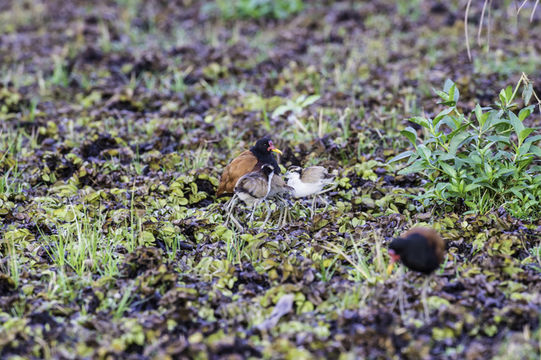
[{"x": 253, "y": 189}]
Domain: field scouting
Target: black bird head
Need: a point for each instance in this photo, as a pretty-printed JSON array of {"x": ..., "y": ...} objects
[
  {"x": 263, "y": 150},
  {"x": 264, "y": 146}
]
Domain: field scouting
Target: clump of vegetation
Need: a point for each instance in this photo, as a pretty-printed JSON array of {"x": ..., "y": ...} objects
[
  {"x": 483, "y": 161},
  {"x": 256, "y": 9}
]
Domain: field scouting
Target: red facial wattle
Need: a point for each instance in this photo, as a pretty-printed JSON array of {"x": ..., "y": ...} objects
[
  {"x": 273, "y": 149},
  {"x": 394, "y": 256}
]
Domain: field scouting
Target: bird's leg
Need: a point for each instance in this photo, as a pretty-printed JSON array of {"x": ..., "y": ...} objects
[
  {"x": 313, "y": 208},
  {"x": 231, "y": 203},
  {"x": 402, "y": 296},
  {"x": 229, "y": 208},
  {"x": 268, "y": 213},
  {"x": 321, "y": 198},
  {"x": 317, "y": 197},
  {"x": 325, "y": 201},
  {"x": 236, "y": 223},
  {"x": 326, "y": 204},
  {"x": 252, "y": 214},
  {"x": 424, "y": 298},
  {"x": 327, "y": 189},
  {"x": 251, "y": 219},
  {"x": 279, "y": 204},
  {"x": 286, "y": 213}
]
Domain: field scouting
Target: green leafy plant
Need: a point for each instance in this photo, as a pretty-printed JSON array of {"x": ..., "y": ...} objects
[
  {"x": 295, "y": 106},
  {"x": 482, "y": 161},
  {"x": 255, "y": 9},
  {"x": 60, "y": 75}
]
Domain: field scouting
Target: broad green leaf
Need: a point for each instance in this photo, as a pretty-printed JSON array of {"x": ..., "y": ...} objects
[
  {"x": 524, "y": 134},
  {"x": 416, "y": 167},
  {"x": 280, "y": 110},
  {"x": 516, "y": 123},
  {"x": 401, "y": 156},
  {"x": 509, "y": 93},
  {"x": 448, "y": 169},
  {"x": 453, "y": 122},
  {"x": 488, "y": 168},
  {"x": 424, "y": 152},
  {"x": 446, "y": 156},
  {"x": 533, "y": 139},
  {"x": 443, "y": 95},
  {"x": 524, "y": 148},
  {"x": 452, "y": 92},
  {"x": 517, "y": 190},
  {"x": 476, "y": 159},
  {"x": 525, "y": 112},
  {"x": 441, "y": 115},
  {"x": 503, "y": 172},
  {"x": 455, "y": 94},
  {"x": 536, "y": 150},
  {"x": 441, "y": 186},
  {"x": 500, "y": 120},
  {"x": 486, "y": 120},
  {"x": 420, "y": 121},
  {"x": 471, "y": 187},
  {"x": 456, "y": 141},
  {"x": 448, "y": 85},
  {"x": 506, "y": 154},
  {"x": 491, "y": 116},
  {"x": 310, "y": 100},
  {"x": 499, "y": 138},
  {"x": 411, "y": 134},
  {"x": 479, "y": 115},
  {"x": 503, "y": 98},
  {"x": 300, "y": 99}
]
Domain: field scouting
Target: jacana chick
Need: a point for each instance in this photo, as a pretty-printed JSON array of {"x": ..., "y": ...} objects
[
  {"x": 309, "y": 181},
  {"x": 419, "y": 249},
  {"x": 253, "y": 189},
  {"x": 248, "y": 161}
]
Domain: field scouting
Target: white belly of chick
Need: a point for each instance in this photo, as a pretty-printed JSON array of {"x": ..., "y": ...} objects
[{"x": 301, "y": 189}]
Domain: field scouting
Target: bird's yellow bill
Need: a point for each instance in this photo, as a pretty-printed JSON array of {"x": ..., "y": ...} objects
[
  {"x": 390, "y": 268},
  {"x": 277, "y": 151}
]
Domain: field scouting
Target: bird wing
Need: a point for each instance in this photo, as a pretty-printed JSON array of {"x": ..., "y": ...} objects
[
  {"x": 255, "y": 184},
  {"x": 239, "y": 166},
  {"x": 433, "y": 237},
  {"x": 279, "y": 186},
  {"x": 314, "y": 174}
]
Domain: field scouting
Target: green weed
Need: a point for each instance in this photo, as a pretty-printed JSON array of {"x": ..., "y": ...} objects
[
  {"x": 60, "y": 74},
  {"x": 482, "y": 162},
  {"x": 250, "y": 9}
]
